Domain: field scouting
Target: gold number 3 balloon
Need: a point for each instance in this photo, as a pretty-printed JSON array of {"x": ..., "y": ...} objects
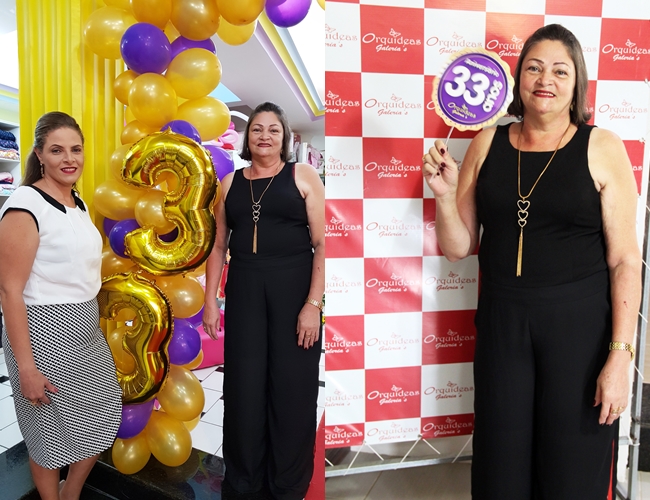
[
  {"x": 147, "y": 340},
  {"x": 189, "y": 206}
]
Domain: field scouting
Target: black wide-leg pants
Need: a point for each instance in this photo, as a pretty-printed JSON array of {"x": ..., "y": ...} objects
[
  {"x": 538, "y": 355},
  {"x": 270, "y": 383}
]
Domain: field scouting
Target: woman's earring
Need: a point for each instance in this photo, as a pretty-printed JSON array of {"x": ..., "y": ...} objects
[
  {"x": 42, "y": 170},
  {"x": 571, "y": 107}
]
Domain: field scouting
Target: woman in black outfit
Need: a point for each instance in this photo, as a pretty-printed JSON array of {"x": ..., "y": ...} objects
[
  {"x": 561, "y": 281},
  {"x": 271, "y": 216}
]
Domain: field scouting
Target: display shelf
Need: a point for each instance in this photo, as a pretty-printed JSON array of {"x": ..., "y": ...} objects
[{"x": 7, "y": 165}]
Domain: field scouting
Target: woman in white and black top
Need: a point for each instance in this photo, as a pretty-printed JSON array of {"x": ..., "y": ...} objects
[{"x": 67, "y": 398}]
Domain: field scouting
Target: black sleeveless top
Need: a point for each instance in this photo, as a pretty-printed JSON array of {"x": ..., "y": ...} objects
[
  {"x": 563, "y": 237},
  {"x": 282, "y": 229}
]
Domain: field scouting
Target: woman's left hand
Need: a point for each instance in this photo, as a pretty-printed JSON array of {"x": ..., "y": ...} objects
[
  {"x": 613, "y": 386},
  {"x": 308, "y": 326}
]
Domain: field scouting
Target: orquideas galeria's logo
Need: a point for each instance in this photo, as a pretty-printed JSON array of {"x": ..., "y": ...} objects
[
  {"x": 336, "y": 104},
  {"x": 396, "y": 283},
  {"x": 449, "y": 427},
  {"x": 394, "y": 42},
  {"x": 623, "y": 111},
  {"x": 340, "y": 398},
  {"x": 451, "y": 46},
  {"x": 395, "y": 106},
  {"x": 337, "y": 228},
  {"x": 506, "y": 49},
  {"x": 631, "y": 51},
  {"x": 395, "y": 395},
  {"x": 334, "y": 38},
  {"x": 451, "y": 391},
  {"x": 452, "y": 281},
  {"x": 396, "y": 227},
  {"x": 396, "y": 342},
  {"x": 394, "y": 168},
  {"x": 336, "y": 284},
  {"x": 448, "y": 339},
  {"x": 339, "y": 168},
  {"x": 339, "y": 345}
]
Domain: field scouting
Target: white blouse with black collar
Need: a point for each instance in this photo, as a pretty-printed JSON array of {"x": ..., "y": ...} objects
[{"x": 67, "y": 267}]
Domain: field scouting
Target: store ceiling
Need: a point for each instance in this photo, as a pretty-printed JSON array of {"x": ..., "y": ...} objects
[{"x": 250, "y": 72}]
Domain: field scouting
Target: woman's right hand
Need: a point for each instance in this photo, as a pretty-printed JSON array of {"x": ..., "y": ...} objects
[
  {"x": 33, "y": 385},
  {"x": 211, "y": 320},
  {"x": 440, "y": 170}
]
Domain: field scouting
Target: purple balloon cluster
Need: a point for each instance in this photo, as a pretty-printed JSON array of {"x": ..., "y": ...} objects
[{"x": 146, "y": 49}]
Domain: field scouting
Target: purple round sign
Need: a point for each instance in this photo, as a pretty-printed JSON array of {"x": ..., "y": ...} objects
[{"x": 474, "y": 90}]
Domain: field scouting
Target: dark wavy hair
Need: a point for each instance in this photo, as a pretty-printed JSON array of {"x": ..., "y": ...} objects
[
  {"x": 556, "y": 32},
  {"x": 285, "y": 154},
  {"x": 47, "y": 123}
]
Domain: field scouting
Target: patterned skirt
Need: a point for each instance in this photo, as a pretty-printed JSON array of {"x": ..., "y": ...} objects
[{"x": 84, "y": 415}]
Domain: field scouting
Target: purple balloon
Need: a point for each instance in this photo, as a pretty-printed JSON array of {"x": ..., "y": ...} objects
[
  {"x": 108, "y": 225},
  {"x": 184, "y": 128},
  {"x": 145, "y": 48},
  {"x": 182, "y": 43},
  {"x": 287, "y": 13},
  {"x": 197, "y": 319},
  {"x": 117, "y": 234},
  {"x": 185, "y": 344},
  {"x": 223, "y": 162},
  {"x": 169, "y": 237},
  {"x": 134, "y": 419}
]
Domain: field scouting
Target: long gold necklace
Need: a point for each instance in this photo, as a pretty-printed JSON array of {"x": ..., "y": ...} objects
[
  {"x": 257, "y": 207},
  {"x": 523, "y": 203}
]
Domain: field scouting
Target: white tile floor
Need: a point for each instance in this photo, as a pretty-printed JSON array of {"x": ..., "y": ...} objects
[
  {"x": 207, "y": 435},
  {"x": 439, "y": 482}
]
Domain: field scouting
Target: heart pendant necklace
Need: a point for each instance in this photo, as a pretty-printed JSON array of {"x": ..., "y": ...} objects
[{"x": 523, "y": 203}]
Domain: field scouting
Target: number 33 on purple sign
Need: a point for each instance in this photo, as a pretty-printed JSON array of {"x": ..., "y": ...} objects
[{"x": 474, "y": 90}]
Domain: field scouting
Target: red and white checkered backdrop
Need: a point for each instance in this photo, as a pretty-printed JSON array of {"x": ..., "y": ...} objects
[{"x": 400, "y": 318}]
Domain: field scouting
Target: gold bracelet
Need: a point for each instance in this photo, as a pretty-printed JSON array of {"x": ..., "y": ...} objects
[
  {"x": 621, "y": 346},
  {"x": 314, "y": 302}
]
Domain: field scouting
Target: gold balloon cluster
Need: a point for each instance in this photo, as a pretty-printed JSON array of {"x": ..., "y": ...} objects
[{"x": 152, "y": 287}]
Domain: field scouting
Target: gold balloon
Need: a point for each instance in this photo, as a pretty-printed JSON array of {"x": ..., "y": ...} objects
[
  {"x": 120, "y": 4},
  {"x": 191, "y": 425},
  {"x": 189, "y": 207},
  {"x": 104, "y": 29},
  {"x": 168, "y": 439},
  {"x": 150, "y": 211},
  {"x": 195, "y": 363},
  {"x": 181, "y": 395},
  {"x": 152, "y": 100},
  {"x": 322, "y": 4},
  {"x": 147, "y": 340},
  {"x": 185, "y": 294},
  {"x": 112, "y": 264},
  {"x": 128, "y": 115},
  {"x": 116, "y": 199},
  {"x": 117, "y": 160},
  {"x": 235, "y": 35},
  {"x": 194, "y": 73},
  {"x": 156, "y": 12},
  {"x": 122, "y": 84},
  {"x": 124, "y": 361},
  {"x": 195, "y": 19},
  {"x": 241, "y": 12},
  {"x": 210, "y": 116},
  {"x": 171, "y": 32},
  {"x": 136, "y": 130},
  {"x": 131, "y": 455},
  {"x": 195, "y": 273}
]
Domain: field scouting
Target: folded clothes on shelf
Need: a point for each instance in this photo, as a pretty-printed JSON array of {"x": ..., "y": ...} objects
[
  {"x": 7, "y": 189},
  {"x": 7, "y": 136},
  {"x": 6, "y": 178},
  {"x": 9, "y": 154}
]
